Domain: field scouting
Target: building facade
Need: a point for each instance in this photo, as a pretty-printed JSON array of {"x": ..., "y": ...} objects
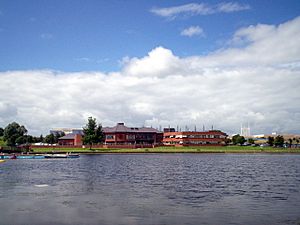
[
  {"x": 71, "y": 140},
  {"x": 194, "y": 138},
  {"x": 123, "y": 135}
]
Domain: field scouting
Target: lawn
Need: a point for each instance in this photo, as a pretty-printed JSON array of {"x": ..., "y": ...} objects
[{"x": 226, "y": 149}]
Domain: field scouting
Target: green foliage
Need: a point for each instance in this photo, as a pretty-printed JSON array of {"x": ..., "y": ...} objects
[
  {"x": 251, "y": 141},
  {"x": 2, "y": 142},
  {"x": 279, "y": 141},
  {"x": 237, "y": 139},
  {"x": 50, "y": 139},
  {"x": 53, "y": 138},
  {"x": 270, "y": 141},
  {"x": 92, "y": 132},
  {"x": 14, "y": 134},
  {"x": 1, "y": 131},
  {"x": 290, "y": 142}
]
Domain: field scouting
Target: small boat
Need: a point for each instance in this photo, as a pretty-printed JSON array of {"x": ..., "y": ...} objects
[
  {"x": 22, "y": 157},
  {"x": 2, "y": 161},
  {"x": 30, "y": 157},
  {"x": 61, "y": 156}
]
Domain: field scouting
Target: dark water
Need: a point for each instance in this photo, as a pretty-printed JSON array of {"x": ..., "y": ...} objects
[{"x": 152, "y": 189}]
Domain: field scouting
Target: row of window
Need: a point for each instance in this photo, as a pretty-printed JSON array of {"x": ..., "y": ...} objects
[
  {"x": 193, "y": 142},
  {"x": 195, "y": 136},
  {"x": 133, "y": 137}
]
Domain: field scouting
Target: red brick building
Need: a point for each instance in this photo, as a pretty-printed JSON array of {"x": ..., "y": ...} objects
[
  {"x": 193, "y": 138},
  {"x": 71, "y": 139},
  {"x": 123, "y": 135}
]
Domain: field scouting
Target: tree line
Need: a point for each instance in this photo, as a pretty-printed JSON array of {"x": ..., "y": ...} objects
[
  {"x": 15, "y": 134},
  {"x": 277, "y": 141}
]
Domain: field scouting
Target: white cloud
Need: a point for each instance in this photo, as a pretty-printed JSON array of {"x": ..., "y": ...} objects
[
  {"x": 257, "y": 81},
  {"x": 192, "y": 31},
  {"x": 228, "y": 7},
  {"x": 83, "y": 59},
  {"x": 187, "y": 9},
  {"x": 198, "y": 9}
]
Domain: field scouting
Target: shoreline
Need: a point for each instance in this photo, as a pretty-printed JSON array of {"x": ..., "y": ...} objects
[{"x": 193, "y": 150}]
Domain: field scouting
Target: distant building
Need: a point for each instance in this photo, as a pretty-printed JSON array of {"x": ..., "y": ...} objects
[
  {"x": 66, "y": 131},
  {"x": 194, "y": 138},
  {"x": 71, "y": 140},
  {"x": 169, "y": 130},
  {"x": 123, "y": 135}
]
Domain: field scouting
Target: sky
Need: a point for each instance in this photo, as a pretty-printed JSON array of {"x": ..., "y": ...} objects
[{"x": 151, "y": 63}]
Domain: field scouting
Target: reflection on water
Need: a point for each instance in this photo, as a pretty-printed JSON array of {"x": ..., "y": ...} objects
[{"x": 152, "y": 189}]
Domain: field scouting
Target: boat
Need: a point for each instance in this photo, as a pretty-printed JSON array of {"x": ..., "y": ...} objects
[
  {"x": 61, "y": 156},
  {"x": 44, "y": 156},
  {"x": 22, "y": 157},
  {"x": 30, "y": 157},
  {"x": 2, "y": 161}
]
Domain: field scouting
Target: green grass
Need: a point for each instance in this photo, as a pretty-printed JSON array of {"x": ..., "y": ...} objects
[{"x": 227, "y": 149}]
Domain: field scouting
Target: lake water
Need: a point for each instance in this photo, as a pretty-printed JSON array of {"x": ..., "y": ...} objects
[{"x": 154, "y": 189}]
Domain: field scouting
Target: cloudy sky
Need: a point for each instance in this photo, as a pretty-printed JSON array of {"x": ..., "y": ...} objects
[{"x": 151, "y": 63}]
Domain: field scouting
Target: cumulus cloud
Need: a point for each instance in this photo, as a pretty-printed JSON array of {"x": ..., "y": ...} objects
[
  {"x": 255, "y": 79},
  {"x": 192, "y": 9},
  {"x": 192, "y": 31}
]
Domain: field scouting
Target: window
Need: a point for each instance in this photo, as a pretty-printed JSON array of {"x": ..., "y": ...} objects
[
  {"x": 130, "y": 137},
  {"x": 109, "y": 137}
]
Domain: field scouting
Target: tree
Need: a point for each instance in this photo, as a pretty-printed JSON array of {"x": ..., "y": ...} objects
[
  {"x": 14, "y": 134},
  {"x": 58, "y": 135},
  {"x": 251, "y": 141},
  {"x": 279, "y": 141},
  {"x": 270, "y": 141},
  {"x": 290, "y": 142},
  {"x": 50, "y": 139},
  {"x": 41, "y": 138},
  {"x": 92, "y": 132},
  {"x": 237, "y": 139},
  {"x": 1, "y": 131}
]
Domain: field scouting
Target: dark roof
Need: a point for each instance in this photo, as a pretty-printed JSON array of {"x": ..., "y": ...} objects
[
  {"x": 121, "y": 128},
  {"x": 68, "y": 137}
]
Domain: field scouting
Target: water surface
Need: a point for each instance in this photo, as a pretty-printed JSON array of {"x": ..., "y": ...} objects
[{"x": 152, "y": 189}]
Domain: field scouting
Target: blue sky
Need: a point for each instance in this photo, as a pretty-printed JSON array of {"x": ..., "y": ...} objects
[
  {"x": 73, "y": 35},
  {"x": 151, "y": 63}
]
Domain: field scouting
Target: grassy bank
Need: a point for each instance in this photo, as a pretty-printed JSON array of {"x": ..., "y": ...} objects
[{"x": 227, "y": 149}]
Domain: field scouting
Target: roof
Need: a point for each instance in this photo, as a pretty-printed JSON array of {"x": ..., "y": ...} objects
[
  {"x": 68, "y": 137},
  {"x": 121, "y": 128}
]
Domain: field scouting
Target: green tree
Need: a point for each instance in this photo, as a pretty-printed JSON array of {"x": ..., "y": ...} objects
[
  {"x": 270, "y": 140},
  {"x": 251, "y": 141},
  {"x": 50, "y": 139},
  {"x": 14, "y": 134},
  {"x": 279, "y": 141},
  {"x": 41, "y": 138},
  {"x": 57, "y": 136},
  {"x": 237, "y": 139},
  {"x": 29, "y": 139},
  {"x": 1, "y": 131},
  {"x": 290, "y": 142},
  {"x": 92, "y": 132},
  {"x": 2, "y": 142}
]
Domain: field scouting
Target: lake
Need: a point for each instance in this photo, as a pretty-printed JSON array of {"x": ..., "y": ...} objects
[{"x": 152, "y": 189}]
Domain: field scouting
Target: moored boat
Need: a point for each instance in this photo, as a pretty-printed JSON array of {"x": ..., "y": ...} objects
[
  {"x": 2, "y": 161},
  {"x": 47, "y": 156},
  {"x": 59, "y": 156}
]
